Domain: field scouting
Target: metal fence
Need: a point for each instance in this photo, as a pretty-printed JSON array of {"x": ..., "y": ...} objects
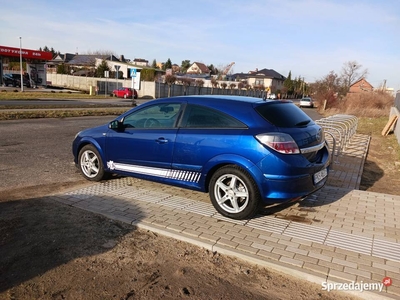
[
  {"x": 397, "y": 101},
  {"x": 339, "y": 130},
  {"x": 396, "y": 111},
  {"x": 107, "y": 87},
  {"x": 180, "y": 90}
]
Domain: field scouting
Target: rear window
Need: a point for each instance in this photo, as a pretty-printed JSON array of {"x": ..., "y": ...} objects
[
  {"x": 284, "y": 114},
  {"x": 204, "y": 117}
]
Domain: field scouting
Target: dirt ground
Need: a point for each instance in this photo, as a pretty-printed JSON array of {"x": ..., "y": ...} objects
[
  {"x": 382, "y": 168},
  {"x": 52, "y": 251}
]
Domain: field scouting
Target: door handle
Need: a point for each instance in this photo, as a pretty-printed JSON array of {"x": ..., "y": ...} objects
[{"x": 162, "y": 140}]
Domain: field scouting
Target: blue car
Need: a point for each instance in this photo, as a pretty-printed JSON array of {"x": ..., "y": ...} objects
[{"x": 244, "y": 151}]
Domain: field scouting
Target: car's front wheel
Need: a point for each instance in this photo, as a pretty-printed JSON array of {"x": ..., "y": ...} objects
[
  {"x": 234, "y": 193},
  {"x": 90, "y": 163}
]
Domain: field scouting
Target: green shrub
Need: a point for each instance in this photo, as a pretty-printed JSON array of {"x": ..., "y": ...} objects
[{"x": 148, "y": 74}]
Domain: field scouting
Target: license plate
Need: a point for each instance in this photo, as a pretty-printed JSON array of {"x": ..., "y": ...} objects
[{"x": 320, "y": 175}]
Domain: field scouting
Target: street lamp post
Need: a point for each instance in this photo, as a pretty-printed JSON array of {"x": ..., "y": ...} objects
[{"x": 20, "y": 63}]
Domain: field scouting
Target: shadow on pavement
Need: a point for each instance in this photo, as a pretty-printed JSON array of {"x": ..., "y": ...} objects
[{"x": 371, "y": 174}]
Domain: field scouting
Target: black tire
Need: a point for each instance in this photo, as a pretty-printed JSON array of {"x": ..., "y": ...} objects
[
  {"x": 90, "y": 164},
  {"x": 238, "y": 199}
]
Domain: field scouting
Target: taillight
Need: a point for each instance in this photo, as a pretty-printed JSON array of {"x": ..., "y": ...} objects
[{"x": 280, "y": 142}]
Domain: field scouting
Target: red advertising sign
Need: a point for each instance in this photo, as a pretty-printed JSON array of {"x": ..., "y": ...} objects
[{"x": 26, "y": 53}]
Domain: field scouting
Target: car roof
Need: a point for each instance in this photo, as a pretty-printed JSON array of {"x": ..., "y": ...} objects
[
  {"x": 213, "y": 98},
  {"x": 239, "y": 107}
]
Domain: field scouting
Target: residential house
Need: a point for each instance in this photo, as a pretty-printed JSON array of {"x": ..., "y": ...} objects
[
  {"x": 124, "y": 68},
  {"x": 361, "y": 86},
  {"x": 78, "y": 64},
  {"x": 59, "y": 59},
  {"x": 270, "y": 79},
  {"x": 85, "y": 65},
  {"x": 141, "y": 62},
  {"x": 198, "y": 68}
]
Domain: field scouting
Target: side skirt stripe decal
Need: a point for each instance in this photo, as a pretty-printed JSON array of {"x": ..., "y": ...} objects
[{"x": 165, "y": 173}]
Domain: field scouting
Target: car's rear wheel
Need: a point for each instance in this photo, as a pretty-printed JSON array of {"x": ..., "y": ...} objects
[
  {"x": 90, "y": 163},
  {"x": 234, "y": 193}
]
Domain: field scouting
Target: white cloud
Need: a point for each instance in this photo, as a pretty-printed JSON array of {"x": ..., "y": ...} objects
[{"x": 308, "y": 37}]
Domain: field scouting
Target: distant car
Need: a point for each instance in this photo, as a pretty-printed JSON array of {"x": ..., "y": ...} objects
[
  {"x": 9, "y": 80},
  {"x": 243, "y": 151},
  {"x": 306, "y": 102},
  {"x": 17, "y": 78},
  {"x": 126, "y": 93},
  {"x": 272, "y": 96}
]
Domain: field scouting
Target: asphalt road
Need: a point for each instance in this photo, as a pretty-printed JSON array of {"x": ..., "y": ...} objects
[
  {"x": 67, "y": 102},
  {"x": 38, "y": 151}
]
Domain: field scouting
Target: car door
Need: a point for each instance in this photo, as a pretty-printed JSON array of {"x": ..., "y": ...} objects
[
  {"x": 120, "y": 92},
  {"x": 145, "y": 142},
  {"x": 204, "y": 134}
]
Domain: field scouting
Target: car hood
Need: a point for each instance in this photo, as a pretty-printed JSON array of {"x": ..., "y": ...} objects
[{"x": 94, "y": 130}]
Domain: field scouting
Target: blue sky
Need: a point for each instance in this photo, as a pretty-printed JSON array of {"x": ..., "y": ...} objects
[{"x": 310, "y": 38}]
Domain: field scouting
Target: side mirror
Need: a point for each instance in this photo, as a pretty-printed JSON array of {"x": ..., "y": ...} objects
[{"x": 116, "y": 125}]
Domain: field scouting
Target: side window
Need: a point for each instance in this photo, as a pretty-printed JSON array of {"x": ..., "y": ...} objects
[
  {"x": 204, "y": 117},
  {"x": 155, "y": 116}
]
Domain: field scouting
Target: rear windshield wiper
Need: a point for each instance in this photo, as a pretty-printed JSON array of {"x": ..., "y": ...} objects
[{"x": 303, "y": 123}]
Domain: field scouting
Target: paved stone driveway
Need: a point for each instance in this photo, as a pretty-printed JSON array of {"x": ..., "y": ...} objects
[{"x": 338, "y": 235}]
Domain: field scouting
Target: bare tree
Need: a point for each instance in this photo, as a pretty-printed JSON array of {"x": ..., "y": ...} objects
[
  {"x": 232, "y": 86},
  {"x": 199, "y": 83},
  {"x": 186, "y": 81},
  {"x": 258, "y": 89},
  {"x": 100, "y": 52},
  {"x": 351, "y": 73},
  {"x": 170, "y": 80},
  {"x": 248, "y": 88},
  {"x": 214, "y": 84},
  {"x": 240, "y": 87},
  {"x": 328, "y": 88},
  {"x": 224, "y": 85}
]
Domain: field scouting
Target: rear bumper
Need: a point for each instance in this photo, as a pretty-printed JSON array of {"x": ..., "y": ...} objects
[
  {"x": 289, "y": 187},
  {"x": 293, "y": 178}
]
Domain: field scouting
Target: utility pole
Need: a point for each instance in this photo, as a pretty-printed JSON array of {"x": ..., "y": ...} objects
[{"x": 20, "y": 63}]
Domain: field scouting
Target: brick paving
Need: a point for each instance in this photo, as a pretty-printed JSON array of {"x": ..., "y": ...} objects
[{"x": 339, "y": 234}]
